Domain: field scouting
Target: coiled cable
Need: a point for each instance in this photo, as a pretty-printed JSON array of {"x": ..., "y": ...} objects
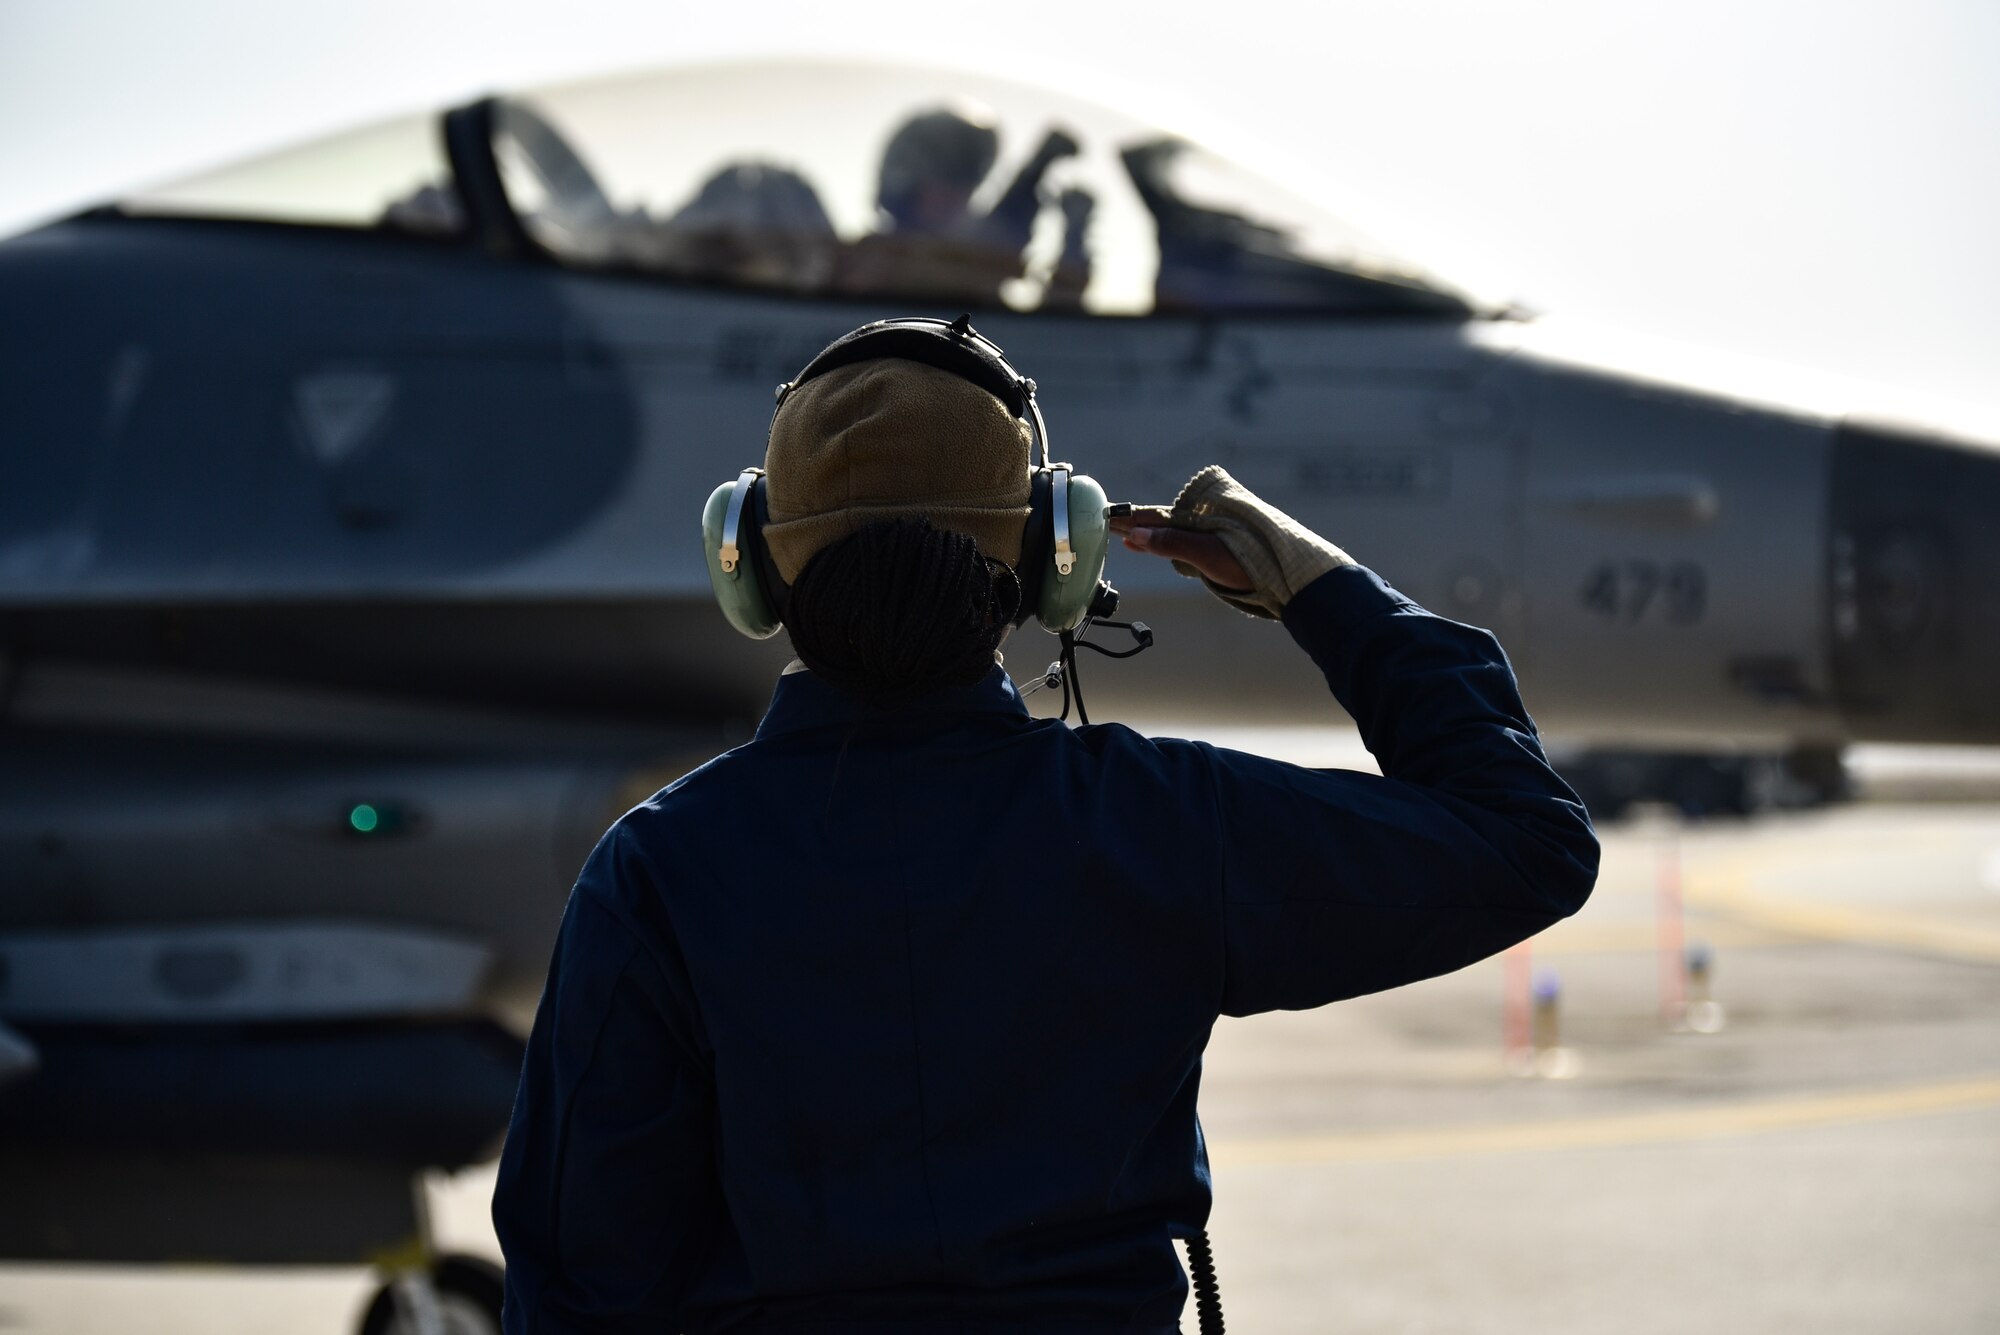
[{"x": 1207, "y": 1294}]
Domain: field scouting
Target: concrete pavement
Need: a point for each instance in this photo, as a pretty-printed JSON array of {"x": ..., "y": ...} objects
[{"x": 1829, "y": 1161}]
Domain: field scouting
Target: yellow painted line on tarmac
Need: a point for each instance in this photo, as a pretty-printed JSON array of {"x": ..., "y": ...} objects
[
  {"x": 1618, "y": 1129},
  {"x": 1728, "y": 895}
]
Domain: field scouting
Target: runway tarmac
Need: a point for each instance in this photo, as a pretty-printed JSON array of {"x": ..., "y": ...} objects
[{"x": 1829, "y": 1161}]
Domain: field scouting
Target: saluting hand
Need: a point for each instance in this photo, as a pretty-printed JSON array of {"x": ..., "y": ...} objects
[
  {"x": 1248, "y": 552},
  {"x": 1149, "y": 528}
]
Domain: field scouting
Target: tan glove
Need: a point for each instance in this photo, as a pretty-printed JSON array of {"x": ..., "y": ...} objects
[{"x": 1279, "y": 554}]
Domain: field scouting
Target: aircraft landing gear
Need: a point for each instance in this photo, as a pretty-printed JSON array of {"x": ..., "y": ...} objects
[
  {"x": 428, "y": 1294},
  {"x": 455, "y": 1295}
]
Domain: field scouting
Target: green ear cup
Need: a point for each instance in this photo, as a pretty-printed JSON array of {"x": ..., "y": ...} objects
[
  {"x": 1066, "y": 599},
  {"x": 739, "y": 592}
]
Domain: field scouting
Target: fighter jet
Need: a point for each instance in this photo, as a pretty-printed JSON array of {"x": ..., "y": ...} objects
[{"x": 350, "y": 579}]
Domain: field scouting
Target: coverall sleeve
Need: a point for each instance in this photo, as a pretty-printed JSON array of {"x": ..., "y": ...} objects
[
  {"x": 1337, "y": 883},
  {"x": 607, "y": 1197}
]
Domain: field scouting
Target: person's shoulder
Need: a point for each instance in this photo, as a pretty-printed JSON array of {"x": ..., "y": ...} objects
[
  {"x": 1108, "y": 737},
  {"x": 699, "y": 783},
  {"x": 1117, "y": 745},
  {"x": 670, "y": 832},
  {"x": 1187, "y": 763},
  {"x": 662, "y": 852},
  {"x": 695, "y": 796}
]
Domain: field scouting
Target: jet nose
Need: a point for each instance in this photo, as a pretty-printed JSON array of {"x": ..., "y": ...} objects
[{"x": 1914, "y": 584}]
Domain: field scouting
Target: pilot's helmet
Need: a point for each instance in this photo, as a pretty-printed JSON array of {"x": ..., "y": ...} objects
[
  {"x": 759, "y": 196},
  {"x": 949, "y": 149}
]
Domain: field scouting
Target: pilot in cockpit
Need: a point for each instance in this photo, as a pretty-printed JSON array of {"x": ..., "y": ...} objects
[
  {"x": 756, "y": 223},
  {"x": 929, "y": 239}
]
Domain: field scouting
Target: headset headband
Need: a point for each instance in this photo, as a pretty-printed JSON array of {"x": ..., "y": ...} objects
[
  {"x": 949, "y": 345},
  {"x": 1063, "y": 544}
]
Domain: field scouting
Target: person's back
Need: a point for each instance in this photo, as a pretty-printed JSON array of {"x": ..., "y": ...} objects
[
  {"x": 947, "y": 1056},
  {"x": 892, "y": 1018}
]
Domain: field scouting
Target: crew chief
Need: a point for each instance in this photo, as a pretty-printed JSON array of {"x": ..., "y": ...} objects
[{"x": 891, "y": 1019}]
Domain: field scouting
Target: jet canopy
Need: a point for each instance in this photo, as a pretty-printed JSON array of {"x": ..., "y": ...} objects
[{"x": 851, "y": 182}]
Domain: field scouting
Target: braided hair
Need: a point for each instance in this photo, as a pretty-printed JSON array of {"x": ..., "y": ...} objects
[{"x": 898, "y": 608}]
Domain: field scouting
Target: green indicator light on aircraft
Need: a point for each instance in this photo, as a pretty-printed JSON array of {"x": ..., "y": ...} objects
[{"x": 364, "y": 818}]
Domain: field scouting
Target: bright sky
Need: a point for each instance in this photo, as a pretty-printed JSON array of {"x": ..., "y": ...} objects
[{"x": 1806, "y": 182}]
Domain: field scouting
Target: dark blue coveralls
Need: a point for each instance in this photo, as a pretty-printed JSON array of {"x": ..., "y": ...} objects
[{"x": 893, "y": 1020}]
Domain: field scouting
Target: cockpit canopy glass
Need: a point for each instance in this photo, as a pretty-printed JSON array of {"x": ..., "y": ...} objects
[
  {"x": 870, "y": 183},
  {"x": 391, "y": 175}
]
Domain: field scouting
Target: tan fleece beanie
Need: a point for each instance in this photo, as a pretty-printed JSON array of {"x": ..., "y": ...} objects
[{"x": 892, "y": 437}]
